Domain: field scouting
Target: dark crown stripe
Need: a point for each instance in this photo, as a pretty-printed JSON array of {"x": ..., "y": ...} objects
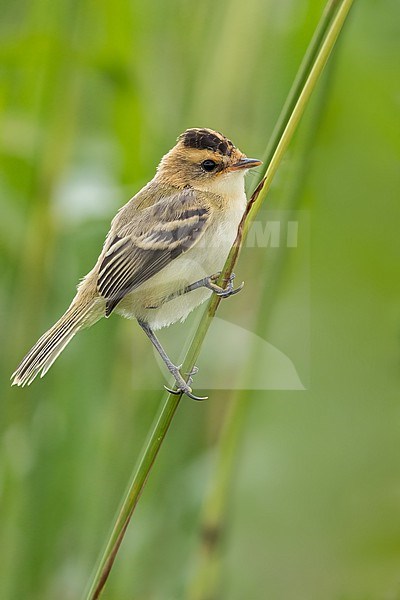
[{"x": 205, "y": 139}]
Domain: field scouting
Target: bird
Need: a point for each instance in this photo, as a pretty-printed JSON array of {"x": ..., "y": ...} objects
[{"x": 163, "y": 253}]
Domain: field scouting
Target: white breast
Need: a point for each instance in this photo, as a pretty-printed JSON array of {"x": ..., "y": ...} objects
[{"x": 213, "y": 248}]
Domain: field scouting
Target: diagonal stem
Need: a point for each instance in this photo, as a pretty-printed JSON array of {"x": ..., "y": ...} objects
[
  {"x": 301, "y": 76},
  {"x": 206, "y": 574},
  {"x": 329, "y": 35}
]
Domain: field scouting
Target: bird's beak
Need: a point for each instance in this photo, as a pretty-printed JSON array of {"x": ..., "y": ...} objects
[{"x": 246, "y": 163}]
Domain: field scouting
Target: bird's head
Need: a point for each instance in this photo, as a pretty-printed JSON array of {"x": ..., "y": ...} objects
[{"x": 204, "y": 159}]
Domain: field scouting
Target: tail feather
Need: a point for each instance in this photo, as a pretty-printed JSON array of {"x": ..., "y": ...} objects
[{"x": 43, "y": 354}]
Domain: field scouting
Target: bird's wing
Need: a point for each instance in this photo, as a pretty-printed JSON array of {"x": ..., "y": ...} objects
[{"x": 154, "y": 237}]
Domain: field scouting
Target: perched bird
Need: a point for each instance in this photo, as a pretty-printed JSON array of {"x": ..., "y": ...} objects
[{"x": 164, "y": 250}]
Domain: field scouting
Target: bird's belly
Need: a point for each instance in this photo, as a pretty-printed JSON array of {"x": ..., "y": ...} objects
[{"x": 206, "y": 258}]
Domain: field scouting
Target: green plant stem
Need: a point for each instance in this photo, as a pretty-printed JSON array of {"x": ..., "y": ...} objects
[
  {"x": 298, "y": 110},
  {"x": 128, "y": 506},
  {"x": 301, "y": 76},
  {"x": 205, "y": 577},
  {"x": 172, "y": 401}
]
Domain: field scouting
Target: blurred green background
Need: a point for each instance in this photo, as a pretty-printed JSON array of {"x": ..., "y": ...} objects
[{"x": 92, "y": 94}]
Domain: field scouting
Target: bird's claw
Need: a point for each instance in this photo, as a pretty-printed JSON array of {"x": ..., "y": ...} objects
[
  {"x": 183, "y": 387},
  {"x": 171, "y": 391},
  {"x": 229, "y": 290},
  {"x": 187, "y": 390}
]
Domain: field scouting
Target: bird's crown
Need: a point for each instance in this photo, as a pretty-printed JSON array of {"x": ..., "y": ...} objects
[{"x": 207, "y": 139}]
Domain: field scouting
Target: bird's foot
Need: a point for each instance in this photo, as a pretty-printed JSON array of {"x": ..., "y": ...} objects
[
  {"x": 183, "y": 387},
  {"x": 229, "y": 290}
]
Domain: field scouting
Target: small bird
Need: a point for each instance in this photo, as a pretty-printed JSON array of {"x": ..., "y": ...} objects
[{"x": 164, "y": 251}]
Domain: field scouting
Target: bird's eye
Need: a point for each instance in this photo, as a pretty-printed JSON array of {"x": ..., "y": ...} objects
[{"x": 208, "y": 165}]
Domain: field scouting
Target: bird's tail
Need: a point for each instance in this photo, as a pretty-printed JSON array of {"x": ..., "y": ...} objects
[{"x": 40, "y": 358}]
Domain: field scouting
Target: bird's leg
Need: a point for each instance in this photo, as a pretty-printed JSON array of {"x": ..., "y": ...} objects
[
  {"x": 208, "y": 282},
  {"x": 182, "y": 385}
]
